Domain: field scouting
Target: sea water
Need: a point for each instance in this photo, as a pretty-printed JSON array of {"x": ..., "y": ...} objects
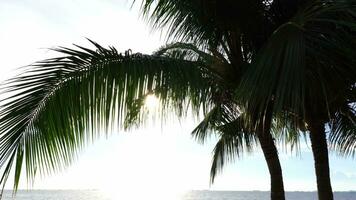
[{"x": 191, "y": 195}]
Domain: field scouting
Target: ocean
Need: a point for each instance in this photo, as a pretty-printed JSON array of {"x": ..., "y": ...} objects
[{"x": 192, "y": 195}]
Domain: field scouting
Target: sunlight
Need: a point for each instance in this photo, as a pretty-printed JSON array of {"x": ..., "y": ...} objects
[{"x": 151, "y": 102}]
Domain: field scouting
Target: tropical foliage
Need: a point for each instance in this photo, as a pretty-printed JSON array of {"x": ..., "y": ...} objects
[
  {"x": 60, "y": 104},
  {"x": 251, "y": 67}
]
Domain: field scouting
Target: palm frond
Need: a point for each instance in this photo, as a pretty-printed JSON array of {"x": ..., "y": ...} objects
[
  {"x": 220, "y": 115},
  {"x": 58, "y": 105},
  {"x": 203, "y": 21},
  {"x": 276, "y": 73},
  {"x": 234, "y": 139},
  {"x": 227, "y": 122},
  {"x": 184, "y": 19},
  {"x": 186, "y": 51},
  {"x": 215, "y": 58},
  {"x": 308, "y": 60},
  {"x": 288, "y": 132},
  {"x": 342, "y": 136},
  {"x": 207, "y": 126}
]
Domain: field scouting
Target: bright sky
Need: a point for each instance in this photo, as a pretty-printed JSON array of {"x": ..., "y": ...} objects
[{"x": 150, "y": 159}]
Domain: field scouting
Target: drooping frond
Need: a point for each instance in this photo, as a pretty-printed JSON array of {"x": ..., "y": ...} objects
[
  {"x": 287, "y": 132},
  {"x": 273, "y": 72},
  {"x": 227, "y": 122},
  {"x": 58, "y": 105},
  {"x": 220, "y": 115},
  {"x": 342, "y": 135},
  {"x": 206, "y": 127},
  {"x": 305, "y": 61},
  {"x": 234, "y": 140}
]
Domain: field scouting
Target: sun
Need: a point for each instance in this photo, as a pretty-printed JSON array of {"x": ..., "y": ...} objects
[{"x": 151, "y": 102}]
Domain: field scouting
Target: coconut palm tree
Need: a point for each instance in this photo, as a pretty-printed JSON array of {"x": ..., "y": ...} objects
[
  {"x": 290, "y": 46},
  {"x": 253, "y": 43},
  {"x": 102, "y": 88},
  {"x": 308, "y": 69},
  {"x": 287, "y": 36},
  {"x": 225, "y": 38},
  {"x": 228, "y": 114}
]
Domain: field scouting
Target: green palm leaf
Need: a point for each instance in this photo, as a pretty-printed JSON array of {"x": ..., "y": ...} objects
[
  {"x": 59, "y": 105},
  {"x": 342, "y": 134},
  {"x": 304, "y": 61},
  {"x": 234, "y": 139}
]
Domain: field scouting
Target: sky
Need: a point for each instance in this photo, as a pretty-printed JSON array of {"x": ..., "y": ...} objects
[{"x": 164, "y": 158}]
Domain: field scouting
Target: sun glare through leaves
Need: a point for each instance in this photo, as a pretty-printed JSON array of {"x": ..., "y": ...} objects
[{"x": 151, "y": 102}]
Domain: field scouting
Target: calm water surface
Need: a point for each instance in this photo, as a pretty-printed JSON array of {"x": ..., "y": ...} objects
[{"x": 193, "y": 195}]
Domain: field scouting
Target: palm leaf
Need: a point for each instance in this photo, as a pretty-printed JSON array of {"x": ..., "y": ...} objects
[
  {"x": 216, "y": 58},
  {"x": 59, "y": 105},
  {"x": 287, "y": 132},
  {"x": 183, "y": 19},
  {"x": 305, "y": 61},
  {"x": 227, "y": 122},
  {"x": 276, "y": 73},
  {"x": 234, "y": 139},
  {"x": 342, "y": 134}
]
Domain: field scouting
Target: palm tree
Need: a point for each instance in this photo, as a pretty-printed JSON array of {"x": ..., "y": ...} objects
[
  {"x": 235, "y": 39},
  {"x": 227, "y": 119},
  {"x": 307, "y": 69},
  {"x": 62, "y": 99},
  {"x": 288, "y": 45},
  {"x": 253, "y": 43}
]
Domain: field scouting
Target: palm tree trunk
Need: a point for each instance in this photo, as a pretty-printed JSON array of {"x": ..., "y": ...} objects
[
  {"x": 321, "y": 160},
  {"x": 271, "y": 156}
]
